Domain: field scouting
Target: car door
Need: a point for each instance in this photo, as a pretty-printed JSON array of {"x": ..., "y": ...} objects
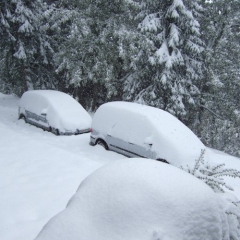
[
  {"x": 117, "y": 137},
  {"x": 140, "y": 130},
  {"x": 37, "y": 120}
]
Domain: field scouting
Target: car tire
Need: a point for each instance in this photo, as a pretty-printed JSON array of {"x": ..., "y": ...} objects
[
  {"x": 54, "y": 131},
  {"x": 23, "y": 117},
  {"x": 102, "y": 143}
]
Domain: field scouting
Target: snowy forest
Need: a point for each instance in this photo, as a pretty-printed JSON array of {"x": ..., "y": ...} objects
[{"x": 178, "y": 55}]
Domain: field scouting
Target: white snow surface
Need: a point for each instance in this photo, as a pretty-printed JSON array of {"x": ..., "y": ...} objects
[
  {"x": 141, "y": 125},
  {"x": 139, "y": 199},
  {"x": 41, "y": 172},
  {"x": 63, "y": 112}
]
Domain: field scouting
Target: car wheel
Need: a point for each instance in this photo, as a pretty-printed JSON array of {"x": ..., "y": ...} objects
[
  {"x": 102, "y": 143},
  {"x": 54, "y": 131},
  {"x": 23, "y": 117}
]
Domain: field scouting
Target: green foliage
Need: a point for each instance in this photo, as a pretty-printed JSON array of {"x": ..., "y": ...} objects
[
  {"x": 89, "y": 53},
  {"x": 217, "y": 120},
  {"x": 168, "y": 59},
  {"x": 25, "y": 50}
]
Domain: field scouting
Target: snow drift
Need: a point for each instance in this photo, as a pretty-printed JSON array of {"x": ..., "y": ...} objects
[{"x": 139, "y": 199}]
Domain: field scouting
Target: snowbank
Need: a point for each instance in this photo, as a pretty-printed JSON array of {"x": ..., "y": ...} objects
[{"x": 139, "y": 199}]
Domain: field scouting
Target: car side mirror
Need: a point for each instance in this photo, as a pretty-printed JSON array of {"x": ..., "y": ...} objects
[
  {"x": 148, "y": 141},
  {"x": 44, "y": 112}
]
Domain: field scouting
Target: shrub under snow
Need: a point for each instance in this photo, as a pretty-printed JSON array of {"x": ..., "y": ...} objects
[
  {"x": 213, "y": 175},
  {"x": 140, "y": 199}
]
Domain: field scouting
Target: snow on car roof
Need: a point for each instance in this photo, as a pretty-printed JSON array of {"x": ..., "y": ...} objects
[{"x": 55, "y": 97}]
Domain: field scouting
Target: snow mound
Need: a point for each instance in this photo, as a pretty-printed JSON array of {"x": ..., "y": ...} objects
[{"x": 139, "y": 199}]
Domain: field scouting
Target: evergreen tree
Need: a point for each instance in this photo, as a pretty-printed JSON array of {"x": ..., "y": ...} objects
[
  {"x": 168, "y": 62},
  {"x": 25, "y": 49},
  {"x": 89, "y": 57},
  {"x": 218, "y": 124}
]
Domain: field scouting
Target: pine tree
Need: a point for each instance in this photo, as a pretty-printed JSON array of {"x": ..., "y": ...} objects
[
  {"x": 89, "y": 57},
  {"x": 26, "y": 51},
  {"x": 168, "y": 63},
  {"x": 219, "y": 118}
]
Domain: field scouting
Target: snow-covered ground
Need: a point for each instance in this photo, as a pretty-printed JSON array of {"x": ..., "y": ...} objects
[{"x": 40, "y": 172}]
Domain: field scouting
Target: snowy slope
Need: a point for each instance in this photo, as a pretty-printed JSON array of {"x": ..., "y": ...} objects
[{"x": 40, "y": 172}]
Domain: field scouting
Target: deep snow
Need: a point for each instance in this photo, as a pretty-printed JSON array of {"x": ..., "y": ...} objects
[
  {"x": 40, "y": 172},
  {"x": 139, "y": 199}
]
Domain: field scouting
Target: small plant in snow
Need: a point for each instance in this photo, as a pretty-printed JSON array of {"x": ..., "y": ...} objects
[{"x": 213, "y": 175}]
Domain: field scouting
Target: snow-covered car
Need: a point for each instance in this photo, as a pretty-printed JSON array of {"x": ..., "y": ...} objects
[
  {"x": 136, "y": 130},
  {"x": 54, "y": 111}
]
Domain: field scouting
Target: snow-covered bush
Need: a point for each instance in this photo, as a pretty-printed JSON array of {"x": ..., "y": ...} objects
[
  {"x": 140, "y": 199},
  {"x": 213, "y": 175}
]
